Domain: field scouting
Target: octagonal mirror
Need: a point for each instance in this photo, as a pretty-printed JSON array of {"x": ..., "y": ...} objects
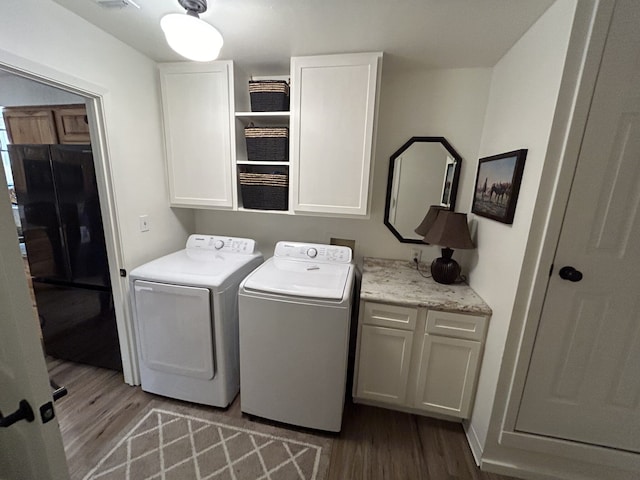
[{"x": 423, "y": 172}]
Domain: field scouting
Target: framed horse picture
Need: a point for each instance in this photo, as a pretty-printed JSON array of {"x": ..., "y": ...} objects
[{"x": 498, "y": 184}]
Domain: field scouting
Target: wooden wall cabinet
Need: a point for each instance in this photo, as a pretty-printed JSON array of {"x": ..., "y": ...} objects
[
  {"x": 50, "y": 124},
  {"x": 199, "y": 133},
  {"x": 72, "y": 124}
]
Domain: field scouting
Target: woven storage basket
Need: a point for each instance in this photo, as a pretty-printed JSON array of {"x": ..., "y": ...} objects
[
  {"x": 269, "y": 95},
  {"x": 267, "y": 143},
  {"x": 264, "y": 191}
]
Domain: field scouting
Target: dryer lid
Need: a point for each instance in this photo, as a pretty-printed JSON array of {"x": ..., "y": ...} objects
[
  {"x": 196, "y": 267},
  {"x": 302, "y": 279}
]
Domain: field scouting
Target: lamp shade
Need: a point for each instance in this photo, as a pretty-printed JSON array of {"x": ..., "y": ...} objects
[
  {"x": 450, "y": 229},
  {"x": 191, "y": 37},
  {"x": 429, "y": 219}
]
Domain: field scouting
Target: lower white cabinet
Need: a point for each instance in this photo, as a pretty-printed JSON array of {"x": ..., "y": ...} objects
[
  {"x": 418, "y": 360},
  {"x": 446, "y": 375},
  {"x": 385, "y": 354}
]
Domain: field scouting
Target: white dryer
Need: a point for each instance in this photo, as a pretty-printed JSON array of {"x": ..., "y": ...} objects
[
  {"x": 186, "y": 319},
  {"x": 295, "y": 311}
]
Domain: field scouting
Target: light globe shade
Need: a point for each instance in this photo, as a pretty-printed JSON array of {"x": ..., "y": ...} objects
[{"x": 191, "y": 37}]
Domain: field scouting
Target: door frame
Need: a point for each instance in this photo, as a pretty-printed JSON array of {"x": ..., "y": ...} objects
[
  {"x": 506, "y": 450},
  {"x": 94, "y": 99}
]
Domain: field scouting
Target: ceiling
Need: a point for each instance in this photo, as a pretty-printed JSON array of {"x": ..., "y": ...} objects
[{"x": 263, "y": 34}]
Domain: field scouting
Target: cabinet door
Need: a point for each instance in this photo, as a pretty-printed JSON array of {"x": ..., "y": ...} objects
[
  {"x": 447, "y": 375},
  {"x": 30, "y": 126},
  {"x": 333, "y": 112},
  {"x": 72, "y": 124},
  {"x": 199, "y": 133},
  {"x": 383, "y": 368}
]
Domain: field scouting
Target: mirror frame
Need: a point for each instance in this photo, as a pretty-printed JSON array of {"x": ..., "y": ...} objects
[{"x": 454, "y": 184}]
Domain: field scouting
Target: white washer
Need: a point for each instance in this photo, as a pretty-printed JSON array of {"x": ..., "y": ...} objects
[
  {"x": 295, "y": 311},
  {"x": 186, "y": 319}
]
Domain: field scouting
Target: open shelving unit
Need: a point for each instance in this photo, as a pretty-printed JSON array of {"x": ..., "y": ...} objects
[{"x": 244, "y": 117}]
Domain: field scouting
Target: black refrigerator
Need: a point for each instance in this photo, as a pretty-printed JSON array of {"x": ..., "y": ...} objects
[{"x": 62, "y": 227}]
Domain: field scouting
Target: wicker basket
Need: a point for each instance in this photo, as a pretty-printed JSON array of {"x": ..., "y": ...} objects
[
  {"x": 269, "y": 95},
  {"x": 267, "y": 143},
  {"x": 264, "y": 191}
]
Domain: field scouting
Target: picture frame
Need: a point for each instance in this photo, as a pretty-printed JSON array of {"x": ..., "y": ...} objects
[
  {"x": 497, "y": 185},
  {"x": 446, "y": 187}
]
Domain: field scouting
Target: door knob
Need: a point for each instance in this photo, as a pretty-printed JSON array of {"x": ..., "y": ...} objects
[
  {"x": 24, "y": 412},
  {"x": 570, "y": 273}
]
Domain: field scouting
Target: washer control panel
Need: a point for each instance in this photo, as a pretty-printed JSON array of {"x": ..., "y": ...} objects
[
  {"x": 313, "y": 251},
  {"x": 222, "y": 244}
]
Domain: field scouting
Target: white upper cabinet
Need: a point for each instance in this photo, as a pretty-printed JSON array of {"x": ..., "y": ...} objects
[
  {"x": 198, "y": 113},
  {"x": 333, "y": 116}
]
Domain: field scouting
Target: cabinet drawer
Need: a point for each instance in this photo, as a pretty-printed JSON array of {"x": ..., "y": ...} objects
[
  {"x": 390, "y": 316},
  {"x": 457, "y": 325}
]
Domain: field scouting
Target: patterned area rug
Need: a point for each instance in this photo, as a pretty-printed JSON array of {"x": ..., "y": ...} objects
[{"x": 175, "y": 442}]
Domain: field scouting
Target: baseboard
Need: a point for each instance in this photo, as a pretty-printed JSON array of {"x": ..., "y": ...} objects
[
  {"x": 512, "y": 471},
  {"x": 473, "y": 441}
]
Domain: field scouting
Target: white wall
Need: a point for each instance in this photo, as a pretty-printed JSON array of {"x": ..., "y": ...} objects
[
  {"x": 44, "y": 39},
  {"x": 62, "y": 46},
  {"x": 18, "y": 91},
  {"x": 448, "y": 103},
  {"x": 524, "y": 90}
]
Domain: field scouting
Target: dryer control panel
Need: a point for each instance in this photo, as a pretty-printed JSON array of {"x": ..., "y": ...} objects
[
  {"x": 315, "y": 252},
  {"x": 222, "y": 244}
]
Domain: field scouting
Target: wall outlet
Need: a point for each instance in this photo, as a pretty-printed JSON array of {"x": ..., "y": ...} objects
[
  {"x": 144, "y": 223},
  {"x": 416, "y": 255}
]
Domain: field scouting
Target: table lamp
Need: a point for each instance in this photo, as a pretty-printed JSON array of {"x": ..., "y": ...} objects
[
  {"x": 449, "y": 230},
  {"x": 429, "y": 219}
]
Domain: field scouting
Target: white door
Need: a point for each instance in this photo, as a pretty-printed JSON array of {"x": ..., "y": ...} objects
[
  {"x": 395, "y": 188},
  {"x": 583, "y": 382},
  {"x": 27, "y": 449}
]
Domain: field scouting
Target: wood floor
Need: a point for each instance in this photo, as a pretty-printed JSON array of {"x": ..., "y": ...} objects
[{"x": 375, "y": 443}]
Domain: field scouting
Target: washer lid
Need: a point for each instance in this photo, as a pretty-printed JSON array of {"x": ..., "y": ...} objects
[{"x": 297, "y": 278}]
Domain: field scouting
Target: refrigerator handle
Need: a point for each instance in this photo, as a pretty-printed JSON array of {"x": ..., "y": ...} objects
[{"x": 58, "y": 391}]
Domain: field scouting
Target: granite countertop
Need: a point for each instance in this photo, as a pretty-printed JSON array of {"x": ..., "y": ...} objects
[{"x": 398, "y": 282}]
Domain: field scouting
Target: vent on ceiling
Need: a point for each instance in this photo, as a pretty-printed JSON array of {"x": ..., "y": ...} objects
[{"x": 117, "y": 3}]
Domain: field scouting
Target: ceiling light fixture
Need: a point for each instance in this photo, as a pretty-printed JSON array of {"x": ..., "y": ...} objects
[
  {"x": 117, "y": 3},
  {"x": 190, "y": 36}
]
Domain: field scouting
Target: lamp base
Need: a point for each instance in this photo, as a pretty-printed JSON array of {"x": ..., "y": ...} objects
[{"x": 445, "y": 269}]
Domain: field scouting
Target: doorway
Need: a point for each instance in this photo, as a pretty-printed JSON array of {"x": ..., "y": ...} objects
[{"x": 48, "y": 160}]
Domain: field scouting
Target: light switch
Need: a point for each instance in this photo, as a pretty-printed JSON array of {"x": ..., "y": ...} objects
[{"x": 144, "y": 223}]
